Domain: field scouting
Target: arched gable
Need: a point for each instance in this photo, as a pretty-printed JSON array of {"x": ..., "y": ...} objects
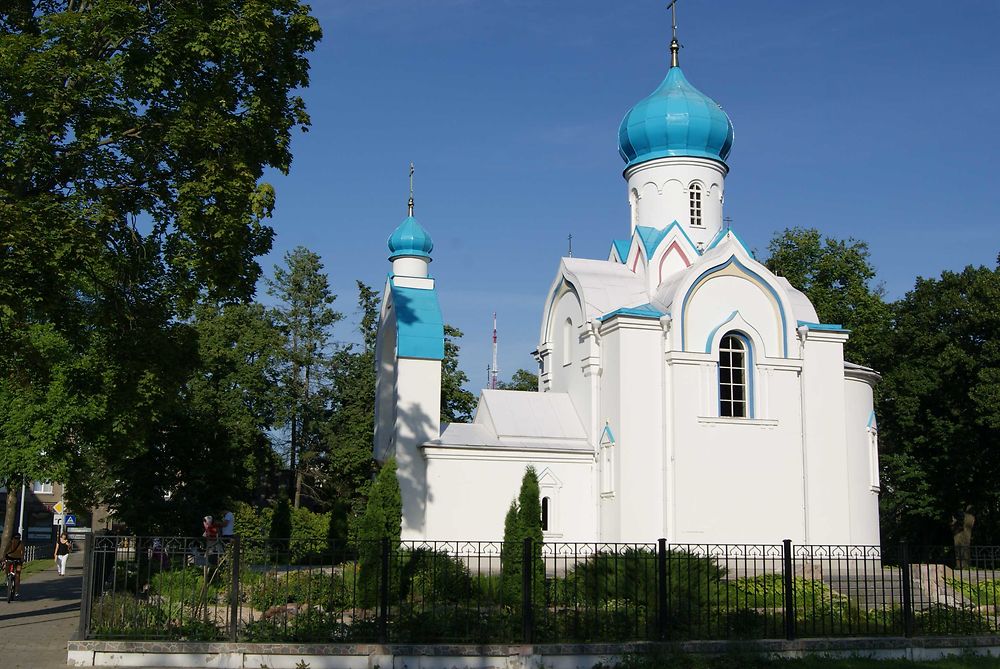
[
  {"x": 730, "y": 287},
  {"x": 555, "y": 310}
]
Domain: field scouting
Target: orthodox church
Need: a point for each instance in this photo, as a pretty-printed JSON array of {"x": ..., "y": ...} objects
[{"x": 685, "y": 391}]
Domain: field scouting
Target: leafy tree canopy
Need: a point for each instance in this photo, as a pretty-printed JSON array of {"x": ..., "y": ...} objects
[
  {"x": 522, "y": 379},
  {"x": 837, "y": 276},
  {"x": 939, "y": 415},
  {"x": 134, "y": 139},
  {"x": 457, "y": 404}
]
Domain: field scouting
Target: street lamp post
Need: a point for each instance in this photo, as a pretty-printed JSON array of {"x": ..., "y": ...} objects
[{"x": 20, "y": 521}]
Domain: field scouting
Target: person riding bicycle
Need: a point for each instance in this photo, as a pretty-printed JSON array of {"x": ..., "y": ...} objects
[{"x": 15, "y": 555}]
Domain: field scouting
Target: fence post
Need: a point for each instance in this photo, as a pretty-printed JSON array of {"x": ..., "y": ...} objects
[
  {"x": 904, "y": 570},
  {"x": 661, "y": 588},
  {"x": 789, "y": 585},
  {"x": 527, "y": 610},
  {"x": 87, "y": 589},
  {"x": 383, "y": 595},
  {"x": 234, "y": 592}
]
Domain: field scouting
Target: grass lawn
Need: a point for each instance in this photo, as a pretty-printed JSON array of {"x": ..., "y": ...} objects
[
  {"x": 756, "y": 662},
  {"x": 36, "y": 566}
]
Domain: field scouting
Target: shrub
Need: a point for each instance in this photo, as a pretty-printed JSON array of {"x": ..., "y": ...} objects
[
  {"x": 326, "y": 589},
  {"x": 630, "y": 576},
  {"x": 382, "y": 519},
  {"x": 950, "y": 620},
  {"x": 187, "y": 586},
  {"x": 433, "y": 576},
  {"x": 984, "y": 593}
]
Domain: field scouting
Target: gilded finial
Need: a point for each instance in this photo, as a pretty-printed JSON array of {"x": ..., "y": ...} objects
[
  {"x": 675, "y": 46},
  {"x": 409, "y": 207}
]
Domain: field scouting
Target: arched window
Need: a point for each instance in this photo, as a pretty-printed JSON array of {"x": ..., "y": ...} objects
[
  {"x": 567, "y": 356},
  {"x": 734, "y": 373},
  {"x": 694, "y": 194},
  {"x": 545, "y": 514}
]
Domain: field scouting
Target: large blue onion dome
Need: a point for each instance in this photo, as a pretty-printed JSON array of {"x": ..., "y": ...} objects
[
  {"x": 675, "y": 120},
  {"x": 410, "y": 239}
]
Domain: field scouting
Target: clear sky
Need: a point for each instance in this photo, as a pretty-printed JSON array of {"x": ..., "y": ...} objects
[{"x": 872, "y": 120}]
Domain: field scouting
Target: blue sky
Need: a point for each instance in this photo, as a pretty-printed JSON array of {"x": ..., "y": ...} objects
[{"x": 872, "y": 120}]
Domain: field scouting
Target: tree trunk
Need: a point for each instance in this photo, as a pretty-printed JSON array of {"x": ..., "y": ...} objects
[
  {"x": 9, "y": 517},
  {"x": 961, "y": 529},
  {"x": 292, "y": 464},
  {"x": 302, "y": 431}
]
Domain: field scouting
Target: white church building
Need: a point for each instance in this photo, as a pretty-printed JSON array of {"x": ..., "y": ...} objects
[{"x": 685, "y": 391}]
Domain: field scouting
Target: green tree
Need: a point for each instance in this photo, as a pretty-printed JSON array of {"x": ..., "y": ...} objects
[
  {"x": 351, "y": 421},
  {"x": 234, "y": 389},
  {"x": 457, "y": 403},
  {"x": 212, "y": 447},
  {"x": 939, "y": 413},
  {"x": 837, "y": 277},
  {"x": 305, "y": 317},
  {"x": 281, "y": 523},
  {"x": 134, "y": 140},
  {"x": 523, "y": 521},
  {"x": 382, "y": 519},
  {"x": 511, "y": 556},
  {"x": 522, "y": 379}
]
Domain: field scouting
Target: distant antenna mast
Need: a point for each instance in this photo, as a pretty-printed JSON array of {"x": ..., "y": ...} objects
[
  {"x": 493, "y": 367},
  {"x": 570, "y": 238}
]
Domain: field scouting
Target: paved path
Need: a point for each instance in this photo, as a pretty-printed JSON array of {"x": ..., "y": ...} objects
[{"x": 34, "y": 630}]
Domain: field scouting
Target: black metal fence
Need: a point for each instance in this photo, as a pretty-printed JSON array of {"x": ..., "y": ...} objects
[{"x": 262, "y": 590}]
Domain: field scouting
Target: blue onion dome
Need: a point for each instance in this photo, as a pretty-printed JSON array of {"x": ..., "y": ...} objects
[
  {"x": 675, "y": 120},
  {"x": 410, "y": 239}
]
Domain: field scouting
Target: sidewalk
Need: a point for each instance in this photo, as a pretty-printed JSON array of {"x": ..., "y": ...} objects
[{"x": 35, "y": 629}]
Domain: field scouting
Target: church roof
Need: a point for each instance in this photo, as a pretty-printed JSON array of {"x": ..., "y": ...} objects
[
  {"x": 510, "y": 419},
  {"x": 420, "y": 327},
  {"x": 410, "y": 239},
  {"x": 675, "y": 120},
  {"x": 605, "y": 286}
]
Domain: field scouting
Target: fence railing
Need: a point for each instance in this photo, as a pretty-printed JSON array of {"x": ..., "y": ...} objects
[{"x": 261, "y": 590}]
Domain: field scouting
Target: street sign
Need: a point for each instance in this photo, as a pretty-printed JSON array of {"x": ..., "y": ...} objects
[
  {"x": 78, "y": 532},
  {"x": 58, "y": 518},
  {"x": 59, "y": 507},
  {"x": 69, "y": 520}
]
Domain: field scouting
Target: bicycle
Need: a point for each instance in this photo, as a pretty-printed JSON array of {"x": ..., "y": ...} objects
[{"x": 10, "y": 567}]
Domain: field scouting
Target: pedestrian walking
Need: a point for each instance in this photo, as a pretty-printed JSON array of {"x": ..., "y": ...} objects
[{"x": 63, "y": 548}]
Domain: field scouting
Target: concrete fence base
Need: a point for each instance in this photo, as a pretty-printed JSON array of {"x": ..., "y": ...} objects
[{"x": 493, "y": 656}]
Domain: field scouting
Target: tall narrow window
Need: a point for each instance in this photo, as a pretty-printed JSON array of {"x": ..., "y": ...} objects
[
  {"x": 695, "y": 194},
  {"x": 733, "y": 399},
  {"x": 567, "y": 356},
  {"x": 545, "y": 514}
]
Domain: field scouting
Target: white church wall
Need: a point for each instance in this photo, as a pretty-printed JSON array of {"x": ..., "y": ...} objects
[
  {"x": 862, "y": 459},
  {"x": 827, "y": 475},
  {"x": 418, "y": 416},
  {"x": 722, "y": 298},
  {"x": 609, "y": 502},
  {"x": 469, "y": 491},
  {"x": 663, "y": 196},
  {"x": 568, "y": 354},
  {"x": 733, "y": 480},
  {"x": 631, "y": 389}
]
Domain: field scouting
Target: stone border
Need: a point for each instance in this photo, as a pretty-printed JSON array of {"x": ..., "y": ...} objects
[{"x": 492, "y": 656}]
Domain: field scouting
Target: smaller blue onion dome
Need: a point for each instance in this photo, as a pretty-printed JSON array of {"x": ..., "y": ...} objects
[
  {"x": 675, "y": 120},
  {"x": 410, "y": 239}
]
